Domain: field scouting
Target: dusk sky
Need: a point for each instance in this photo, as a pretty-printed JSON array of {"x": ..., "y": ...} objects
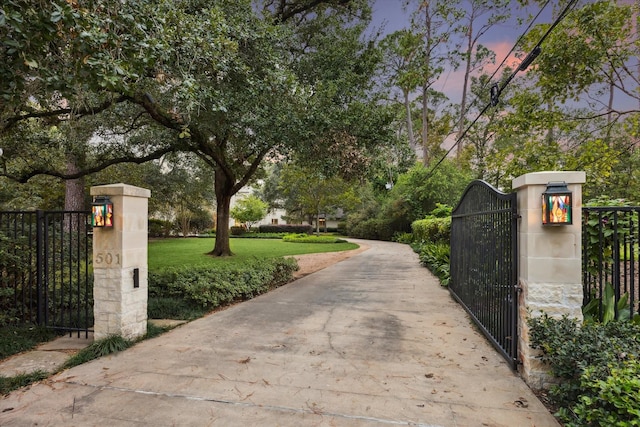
[{"x": 391, "y": 15}]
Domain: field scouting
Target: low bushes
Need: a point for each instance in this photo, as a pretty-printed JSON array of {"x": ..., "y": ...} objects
[
  {"x": 305, "y": 238},
  {"x": 432, "y": 230},
  {"x": 160, "y": 228},
  {"x": 237, "y": 231},
  {"x": 208, "y": 287},
  {"x": 597, "y": 366},
  {"x": 372, "y": 229},
  {"x": 431, "y": 241},
  {"x": 254, "y": 235},
  {"x": 286, "y": 228},
  {"x": 435, "y": 256}
]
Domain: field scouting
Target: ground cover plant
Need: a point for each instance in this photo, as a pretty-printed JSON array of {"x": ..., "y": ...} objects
[
  {"x": 597, "y": 367},
  {"x": 16, "y": 339},
  {"x": 430, "y": 240},
  {"x": 8, "y": 384},
  {"x": 306, "y": 238},
  {"x": 206, "y": 287}
]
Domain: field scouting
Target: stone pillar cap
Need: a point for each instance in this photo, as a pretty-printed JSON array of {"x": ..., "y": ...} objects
[
  {"x": 120, "y": 190},
  {"x": 542, "y": 178}
]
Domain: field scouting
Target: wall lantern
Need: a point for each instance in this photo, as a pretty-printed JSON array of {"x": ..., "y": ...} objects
[
  {"x": 557, "y": 204},
  {"x": 102, "y": 212}
]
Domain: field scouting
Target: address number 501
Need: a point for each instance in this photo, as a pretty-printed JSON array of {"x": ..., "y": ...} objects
[{"x": 107, "y": 258}]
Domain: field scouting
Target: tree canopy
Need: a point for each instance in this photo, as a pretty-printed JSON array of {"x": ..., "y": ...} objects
[
  {"x": 239, "y": 83},
  {"x": 225, "y": 80}
]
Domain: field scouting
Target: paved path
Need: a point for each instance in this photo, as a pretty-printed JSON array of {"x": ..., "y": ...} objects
[{"x": 371, "y": 341}]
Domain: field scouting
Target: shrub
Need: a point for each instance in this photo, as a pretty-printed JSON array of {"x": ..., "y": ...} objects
[
  {"x": 373, "y": 229},
  {"x": 286, "y": 228},
  {"x": 212, "y": 286},
  {"x": 305, "y": 238},
  {"x": 406, "y": 238},
  {"x": 584, "y": 358},
  {"x": 435, "y": 256},
  {"x": 432, "y": 229},
  {"x": 238, "y": 231},
  {"x": 614, "y": 401},
  {"x": 159, "y": 228},
  {"x": 254, "y": 235},
  {"x": 342, "y": 227}
]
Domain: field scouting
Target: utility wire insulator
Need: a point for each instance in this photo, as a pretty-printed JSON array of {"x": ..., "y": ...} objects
[
  {"x": 530, "y": 58},
  {"x": 495, "y": 94}
]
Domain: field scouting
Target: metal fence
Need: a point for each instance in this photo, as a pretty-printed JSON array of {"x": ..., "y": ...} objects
[
  {"x": 484, "y": 274},
  {"x": 610, "y": 261},
  {"x": 45, "y": 263}
]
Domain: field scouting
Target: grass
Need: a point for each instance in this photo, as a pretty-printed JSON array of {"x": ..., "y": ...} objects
[
  {"x": 9, "y": 384},
  {"x": 193, "y": 251},
  {"x": 16, "y": 339},
  {"x": 103, "y": 347}
]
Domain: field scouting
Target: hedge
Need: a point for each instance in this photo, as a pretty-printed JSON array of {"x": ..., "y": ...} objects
[
  {"x": 213, "y": 286},
  {"x": 432, "y": 229},
  {"x": 286, "y": 228}
]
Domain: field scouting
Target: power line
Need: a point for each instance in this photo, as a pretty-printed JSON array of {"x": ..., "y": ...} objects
[{"x": 497, "y": 90}]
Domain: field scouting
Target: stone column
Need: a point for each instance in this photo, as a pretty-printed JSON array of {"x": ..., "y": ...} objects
[
  {"x": 120, "y": 264},
  {"x": 550, "y": 263}
]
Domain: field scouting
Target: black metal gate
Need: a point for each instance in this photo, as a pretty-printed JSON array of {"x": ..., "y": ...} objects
[
  {"x": 45, "y": 263},
  {"x": 484, "y": 263}
]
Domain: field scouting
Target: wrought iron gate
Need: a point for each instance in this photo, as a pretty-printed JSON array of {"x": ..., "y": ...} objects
[
  {"x": 484, "y": 254},
  {"x": 45, "y": 262}
]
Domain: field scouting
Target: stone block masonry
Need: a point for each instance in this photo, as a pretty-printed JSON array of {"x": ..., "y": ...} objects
[
  {"x": 549, "y": 264},
  {"x": 120, "y": 308}
]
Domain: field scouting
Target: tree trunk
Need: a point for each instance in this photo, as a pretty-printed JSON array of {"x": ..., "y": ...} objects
[
  {"x": 407, "y": 106},
  {"x": 73, "y": 196},
  {"x": 465, "y": 84},
  {"x": 224, "y": 192},
  {"x": 425, "y": 88},
  {"x": 426, "y": 157},
  {"x": 73, "y": 188}
]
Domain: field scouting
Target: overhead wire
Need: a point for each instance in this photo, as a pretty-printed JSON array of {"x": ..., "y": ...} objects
[
  {"x": 516, "y": 44},
  {"x": 497, "y": 90}
]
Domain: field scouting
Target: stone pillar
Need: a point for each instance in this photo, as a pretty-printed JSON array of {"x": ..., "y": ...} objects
[
  {"x": 549, "y": 265},
  {"x": 120, "y": 264}
]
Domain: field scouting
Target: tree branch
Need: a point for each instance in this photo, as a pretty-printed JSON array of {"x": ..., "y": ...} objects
[
  {"x": 285, "y": 11},
  {"x": 616, "y": 112},
  {"x": 88, "y": 111},
  {"x": 251, "y": 170},
  {"x": 146, "y": 101},
  {"x": 22, "y": 178}
]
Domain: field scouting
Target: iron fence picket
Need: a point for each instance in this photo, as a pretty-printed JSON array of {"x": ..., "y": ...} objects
[
  {"x": 610, "y": 235},
  {"x": 45, "y": 261}
]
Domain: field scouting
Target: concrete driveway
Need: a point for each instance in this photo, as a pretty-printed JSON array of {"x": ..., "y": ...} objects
[{"x": 371, "y": 341}]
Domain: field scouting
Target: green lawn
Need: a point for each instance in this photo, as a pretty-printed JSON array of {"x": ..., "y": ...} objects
[{"x": 192, "y": 251}]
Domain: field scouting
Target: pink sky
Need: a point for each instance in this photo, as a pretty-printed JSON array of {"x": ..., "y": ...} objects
[{"x": 500, "y": 39}]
